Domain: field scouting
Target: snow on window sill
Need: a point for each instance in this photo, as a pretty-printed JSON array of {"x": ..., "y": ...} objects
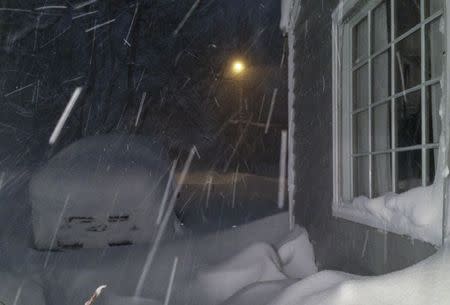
[{"x": 416, "y": 213}]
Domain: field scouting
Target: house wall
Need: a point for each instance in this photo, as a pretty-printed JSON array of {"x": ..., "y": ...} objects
[{"x": 339, "y": 244}]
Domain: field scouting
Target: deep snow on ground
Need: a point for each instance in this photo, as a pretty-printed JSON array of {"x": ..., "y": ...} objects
[
  {"x": 260, "y": 262},
  {"x": 253, "y": 264},
  {"x": 211, "y": 268}
]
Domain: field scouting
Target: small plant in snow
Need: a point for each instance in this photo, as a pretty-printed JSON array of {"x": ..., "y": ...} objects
[{"x": 96, "y": 294}]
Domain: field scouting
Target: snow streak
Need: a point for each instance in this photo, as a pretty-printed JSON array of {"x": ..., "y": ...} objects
[
  {"x": 189, "y": 13},
  {"x": 166, "y": 192},
  {"x": 172, "y": 277},
  {"x": 83, "y": 4},
  {"x": 282, "y": 178},
  {"x": 144, "y": 95},
  {"x": 84, "y": 14},
  {"x": 62, "y": 120},
  {"x": 18, "y": 90},
  {"x": 100, "y": 25},
  {"x": 126, "y": 42},
  {"x": 58, "y": 225},
  {"x": 2, "y": 179},
  {"x": 162, "y": 227},
  {"x": 18, "y": 294},
  {"x": 51, "y": 7},
  {"x": 19, "y": 10},
  {"x": 209, "y": 181},
  {"x": 238, "y": 143},
  {"x": 235, "y": 177},
  {"x": 366, "y": 240},
  {"x": 269, "y": 118}
]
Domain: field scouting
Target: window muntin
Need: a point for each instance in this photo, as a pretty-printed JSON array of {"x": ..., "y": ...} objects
[{"x": 396, "y": 70}]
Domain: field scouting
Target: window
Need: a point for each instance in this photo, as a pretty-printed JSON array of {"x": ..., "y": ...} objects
[{"x": 392, "y": 55}]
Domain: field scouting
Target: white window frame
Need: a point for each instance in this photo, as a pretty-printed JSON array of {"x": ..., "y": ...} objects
[{"x": 348, "y": 13}]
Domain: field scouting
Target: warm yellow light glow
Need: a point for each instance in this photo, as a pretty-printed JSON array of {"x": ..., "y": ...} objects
[{"x": 238, "y": 67}]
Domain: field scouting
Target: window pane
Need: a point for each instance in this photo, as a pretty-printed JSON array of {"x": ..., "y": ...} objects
[
  {"x": 381, "y": 26},
  {"x": 407, "y": 14},
  {"x": 381, "y": 122},
  {"x": 408, "y": 72},
  {"x": 381, "y": 76},
  {"x": 409, "y": 119},
  {"x": 360, "y": 87},
  {"x": 361, "y": 132},
  {"x": 433, "y": 6},
  {"x": 361, "y": 176},
  {"x": 360, "y": 41},
  {"x": 434, "y": 95},
  {"x": 409, "y": 170},
  {"x": 434, "y": 50},
  {"x": 432, "y": 157},
  {"x": 382, "y": 174}
]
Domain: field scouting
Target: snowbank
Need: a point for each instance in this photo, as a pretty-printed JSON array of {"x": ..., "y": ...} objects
[
  {"x": 99, "y": 191},
  {"x": 416, "y": 213}
]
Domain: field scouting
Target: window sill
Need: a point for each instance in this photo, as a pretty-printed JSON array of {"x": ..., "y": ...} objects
[{"x": 416, "y": 213}]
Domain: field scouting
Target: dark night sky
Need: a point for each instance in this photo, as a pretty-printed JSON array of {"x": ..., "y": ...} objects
[{"x": 48, "y": 53}]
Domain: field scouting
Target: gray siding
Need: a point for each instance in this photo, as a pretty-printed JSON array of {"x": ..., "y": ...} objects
[{"x": 338, "y": 244}]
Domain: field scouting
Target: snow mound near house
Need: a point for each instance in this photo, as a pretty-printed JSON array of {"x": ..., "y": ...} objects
[
  {"x": 100, "y": 191},
  {"x": 297, "y": 254},
  {"x": 424, "y": 283},
  {"x": 17, "y": 290},
  {"x": 258, "y": 263}
]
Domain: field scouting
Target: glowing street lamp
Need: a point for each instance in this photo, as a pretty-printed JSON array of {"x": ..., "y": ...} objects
[{"x": 238, "y": 67}]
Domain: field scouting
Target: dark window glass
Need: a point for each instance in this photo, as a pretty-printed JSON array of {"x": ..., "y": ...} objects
[
  {"x": 433, "y": 103},
  {"x": 409, "y": 170},
  {"x": 361, "y": 176},
  {"x": 361, "y": 41},
  {"x": 381, "y": 77},
  {"x": 361, "y": 132},
  {"x": 381, "y": 122},
  {"x": 381, "y": 26},
  {"x": 360, "y": 87},
  {"x": 435, "y": 52},
  {"x": 432, "y": 158},
  {"x": 407, "y": 14},
  {"x": 433, "y": 6},
  {"x": 382, "y": 174},
  {"x": 408, "y": 62},
  {"x": 409, "y": 119}
]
